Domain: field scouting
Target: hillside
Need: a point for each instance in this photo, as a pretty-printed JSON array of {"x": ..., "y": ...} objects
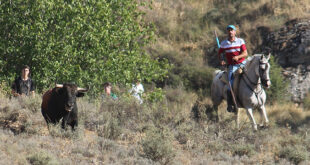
[{"x": 185, "y": 31}]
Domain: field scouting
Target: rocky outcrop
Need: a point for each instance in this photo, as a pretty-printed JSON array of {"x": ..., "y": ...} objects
[
  {"x": 291, "y": 47},
  {"x": 299, "y": 81}
]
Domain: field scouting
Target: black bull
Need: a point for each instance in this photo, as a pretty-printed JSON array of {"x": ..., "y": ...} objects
[{"x": 60, "y": 103}]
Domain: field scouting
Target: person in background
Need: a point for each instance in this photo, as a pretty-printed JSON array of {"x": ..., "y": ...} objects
[
  {"x": 137, "y": 91},
  {"x": 23, "y": 85},
  {"x": 108, "y": 92}
]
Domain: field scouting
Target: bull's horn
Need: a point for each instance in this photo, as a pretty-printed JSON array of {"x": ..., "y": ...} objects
[
  {"x": 59, "y": 85},
  {"x": 82, "y": 89}
]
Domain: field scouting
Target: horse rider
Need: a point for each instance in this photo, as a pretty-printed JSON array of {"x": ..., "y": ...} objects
[{"x": 235, "y": 53}]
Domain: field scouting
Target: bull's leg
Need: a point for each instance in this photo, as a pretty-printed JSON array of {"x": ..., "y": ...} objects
[
  {"x": 215, "y": 110},
  {"x": 47, "y": 119},
  {"x": 251, "y": 116},
  {"x": 74, "y": 124},
  {"x": 65, "y": 121},
  {"x": 263, "y": 114}
]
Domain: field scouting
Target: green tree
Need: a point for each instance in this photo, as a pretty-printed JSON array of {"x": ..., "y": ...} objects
[
  {"x": 278, "y": 89},
  {"x": 86, "y": 42}
]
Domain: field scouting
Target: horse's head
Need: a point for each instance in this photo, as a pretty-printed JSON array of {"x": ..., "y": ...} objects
[{"x": 264, "y": 68}]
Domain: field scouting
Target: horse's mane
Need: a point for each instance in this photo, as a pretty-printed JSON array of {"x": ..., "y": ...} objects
[{"x": 251, "y": 59}]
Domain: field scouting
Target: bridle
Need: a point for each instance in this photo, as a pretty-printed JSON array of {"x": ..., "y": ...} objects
[
  {"x": 262, "y": 71},
  {"x": 256, "y": 86},
  {"x": 261, "y": 80}
]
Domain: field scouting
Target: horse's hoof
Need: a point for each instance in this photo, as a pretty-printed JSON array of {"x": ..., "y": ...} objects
[{"x": 255, "y": 127}]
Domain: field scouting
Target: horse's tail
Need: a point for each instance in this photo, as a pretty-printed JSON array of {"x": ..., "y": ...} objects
[{"x": 216, "y": 72}]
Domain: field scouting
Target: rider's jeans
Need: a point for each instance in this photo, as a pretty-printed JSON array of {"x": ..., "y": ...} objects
[{"x": 232, "y": 69}]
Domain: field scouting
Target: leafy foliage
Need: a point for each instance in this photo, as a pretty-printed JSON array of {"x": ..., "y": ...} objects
[
  {"x": 278, "y": 89},
  {"x": 86, "y": 42}
]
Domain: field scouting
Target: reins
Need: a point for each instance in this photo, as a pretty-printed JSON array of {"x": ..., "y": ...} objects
[{"x": 247, "y": 80}]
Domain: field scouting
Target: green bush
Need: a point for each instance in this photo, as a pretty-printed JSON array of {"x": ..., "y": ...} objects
[
  {"x": 156, "y": 95},
  {"x": 278, "y": 90},
  {"x": 5, "y": 89}
]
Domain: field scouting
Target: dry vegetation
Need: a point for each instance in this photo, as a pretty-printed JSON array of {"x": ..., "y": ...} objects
[
  {"x": 185, "y": 31},
  {"x": 177, "y": 130}
]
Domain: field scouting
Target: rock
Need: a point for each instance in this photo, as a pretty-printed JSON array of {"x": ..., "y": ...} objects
[{"x": 291, "y": 46}]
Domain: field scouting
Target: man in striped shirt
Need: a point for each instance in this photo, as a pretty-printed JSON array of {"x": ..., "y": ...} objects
[{"x": 235, "y": 53}]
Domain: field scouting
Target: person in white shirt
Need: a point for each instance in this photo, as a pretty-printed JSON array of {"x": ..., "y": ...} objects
[{"x": 137, "y": 91}]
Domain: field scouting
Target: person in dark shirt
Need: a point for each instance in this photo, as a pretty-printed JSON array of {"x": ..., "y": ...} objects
[{"x": 23, "y": 85}]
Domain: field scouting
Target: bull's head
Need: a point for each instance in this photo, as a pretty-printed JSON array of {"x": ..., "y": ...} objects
[{"x": 69, "y": 92}]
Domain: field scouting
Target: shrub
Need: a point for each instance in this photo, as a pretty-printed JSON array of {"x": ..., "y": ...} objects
[
  {"x": 175, "y": 109},
  {"x": 278, "y": 89},
  {"x": 294, "y": 154},
  {"x": 157, "y": 145},
  {"x": 198, "y": 79},
  {"x": 5, "y": 89},
  {"x": 306, "y": 102},
  {"x": 57, "y": 131},
  {"x": 41, "y": 158},
  {"x": 243, "y": 149},
  {"x": 111, "y": 129},
  {"x": 155, "y": 96}
]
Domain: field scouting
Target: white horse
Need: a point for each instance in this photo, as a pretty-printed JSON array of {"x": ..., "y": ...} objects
[{"x": 250, "y": 93}]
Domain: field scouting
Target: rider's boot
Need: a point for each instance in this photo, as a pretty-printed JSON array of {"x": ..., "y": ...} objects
[{"x": 230, "y": 104}]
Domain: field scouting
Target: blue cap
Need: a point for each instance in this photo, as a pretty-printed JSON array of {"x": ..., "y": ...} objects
[{"x": 231, "y": 26}]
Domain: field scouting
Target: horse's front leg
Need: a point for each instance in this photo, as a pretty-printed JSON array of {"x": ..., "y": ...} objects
[
  {"x": 251, "y": 116},
  {"x": 263, "y": 114}
]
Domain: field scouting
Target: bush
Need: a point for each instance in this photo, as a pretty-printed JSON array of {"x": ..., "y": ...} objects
[
  {"x": 295, "y": 155},
  {"x": 198, "y": 79},
  {"x": 156, "y": 95},
  {"x": 41, "y": 158},
  {"x": 306, "y": 102},
  {"x": 5, "y": 89},
  {"x": 243, "y": 149},
  {"x": 278, "y": 90},
  {"x": 111, "y": 129},
  {"x": 157, "y": 145}
]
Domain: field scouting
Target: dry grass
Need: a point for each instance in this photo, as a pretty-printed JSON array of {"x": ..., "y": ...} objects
[
  {"x": 168, "y": 132},
  {"x": 185, "y": 29}
]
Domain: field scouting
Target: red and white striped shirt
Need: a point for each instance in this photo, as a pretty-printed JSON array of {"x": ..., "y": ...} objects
[{"x": 232, "y": 49}]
